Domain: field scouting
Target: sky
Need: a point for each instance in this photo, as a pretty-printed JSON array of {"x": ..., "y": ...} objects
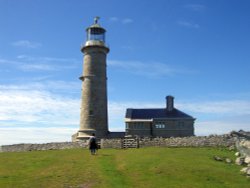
[{"x": 195, "y": 50}]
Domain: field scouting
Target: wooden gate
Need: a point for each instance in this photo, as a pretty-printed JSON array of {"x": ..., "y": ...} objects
[{"x": 130, "y": 143}]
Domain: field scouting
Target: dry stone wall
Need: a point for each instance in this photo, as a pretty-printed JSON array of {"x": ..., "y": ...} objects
[
  {"x": 204, "y": 141},
  {"x": 112, "y": 143},
  {"x": 195, "y": 141},
  {"x": 39, "y": 147}
]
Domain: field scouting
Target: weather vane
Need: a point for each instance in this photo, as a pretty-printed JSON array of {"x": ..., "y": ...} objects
[{"x": 96, "y": 19}]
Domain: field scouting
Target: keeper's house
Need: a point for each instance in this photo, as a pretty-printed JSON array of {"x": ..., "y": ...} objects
[{"x": 159, "y": 122}]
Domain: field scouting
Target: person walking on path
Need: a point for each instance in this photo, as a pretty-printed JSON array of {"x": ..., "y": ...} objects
[{"x": 93, "y": 144}]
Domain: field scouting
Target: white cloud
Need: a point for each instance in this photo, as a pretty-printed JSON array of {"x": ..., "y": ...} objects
[
  {"x": 32, "y": 63},
  {"x": 34, "y": 106},
  {"x": 195, "y": 7},
  {"x": 17, "y": 135},
  {"x": 46, "y": 59},
  {"x": 32, "y": 113},
  {"x": 229, "y": 107},
  {"x": 8, "y": 62},
  {"x": 33, "y": 67},
  {"x": 26, "y": 44},
  {"x": 152, "y": 69},
  {"x": 113, "y": 19},
  {"x": 205, "y": 128},
  {"x": 127, "y": 21},
  {"x": 121, "y": 20},
  {"x": 218, "y": 117},
  {"x": 188, "y": 24},
  {"x": 44, "y": 86}
]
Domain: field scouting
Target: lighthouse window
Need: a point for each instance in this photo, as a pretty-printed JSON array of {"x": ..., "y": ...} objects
[
  {"x": 96, "y": 34},
  {"x": 96, "y": 37},
  {"x": 91, "y": 112}
]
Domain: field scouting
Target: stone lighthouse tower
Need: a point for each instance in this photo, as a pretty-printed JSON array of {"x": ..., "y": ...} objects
[{"x": 94, "y": 113}]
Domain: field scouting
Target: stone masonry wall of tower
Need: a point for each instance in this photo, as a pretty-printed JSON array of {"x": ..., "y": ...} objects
[{"x": 94, "y": 112}]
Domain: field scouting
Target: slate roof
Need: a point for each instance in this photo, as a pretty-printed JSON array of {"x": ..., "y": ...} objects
[{"x": 155, "y": 113}]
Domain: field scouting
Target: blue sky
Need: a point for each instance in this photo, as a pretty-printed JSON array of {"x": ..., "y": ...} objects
[{"x": 197, "y": 51}]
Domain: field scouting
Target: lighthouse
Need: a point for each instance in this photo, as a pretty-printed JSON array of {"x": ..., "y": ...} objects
[{"x": 94, "y": 111}]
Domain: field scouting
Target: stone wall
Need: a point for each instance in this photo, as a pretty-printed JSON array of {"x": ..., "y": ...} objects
[
  {"x": 194, "y": 141},
  {"x": 112, "y": 143},
  {"x": 46, "y": 146},
  {"x": 202, "y": 141}
]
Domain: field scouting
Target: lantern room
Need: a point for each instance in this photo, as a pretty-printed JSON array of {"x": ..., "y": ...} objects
[{"x": 95, "y": 32}]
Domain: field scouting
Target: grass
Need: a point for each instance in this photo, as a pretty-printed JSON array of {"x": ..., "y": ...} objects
[{"x": 144, "y": 167}]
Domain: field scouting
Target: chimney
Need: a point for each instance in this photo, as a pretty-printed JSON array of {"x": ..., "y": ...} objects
[{"x": 169, "y": 103}]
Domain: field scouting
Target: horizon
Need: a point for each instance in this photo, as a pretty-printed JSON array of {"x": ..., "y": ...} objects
[{"x": 195, "y": 50}]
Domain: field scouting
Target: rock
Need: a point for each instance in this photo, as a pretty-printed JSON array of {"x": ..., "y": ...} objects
[
  {"x": 247, "y": 160},
  {"x": 227, "y": 160},
  {"x": 237, "y": 154},
  {"x": 248, "y": 171},
  {"x": 217, "y": 158},
  {"x": 244, "y": 170},
  {"x": 239, "y": 161},
  {"x": 241, "y": 134},
  {"x": 232, "y": 147},
  {"x": 246, "y": 144}
]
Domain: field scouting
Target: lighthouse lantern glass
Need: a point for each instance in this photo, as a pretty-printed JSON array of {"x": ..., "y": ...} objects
[{"x": 96, "y": 34}]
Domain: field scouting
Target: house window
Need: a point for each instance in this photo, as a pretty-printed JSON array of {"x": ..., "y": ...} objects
[
  {"x": 127, "y": 125},
  {"x": 181, "y": 124},
  {"x": 138, "y": 125},
  {"x": 160, "y": 125}
]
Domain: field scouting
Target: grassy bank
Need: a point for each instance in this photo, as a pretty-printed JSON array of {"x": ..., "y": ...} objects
[{"x": 144, "y": 167}]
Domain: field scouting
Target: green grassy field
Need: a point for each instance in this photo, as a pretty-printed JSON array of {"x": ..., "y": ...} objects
[{"x": 144, "y": 167}]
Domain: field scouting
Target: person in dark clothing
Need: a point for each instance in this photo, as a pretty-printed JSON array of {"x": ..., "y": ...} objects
[{"x": 93, "y": 144}]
